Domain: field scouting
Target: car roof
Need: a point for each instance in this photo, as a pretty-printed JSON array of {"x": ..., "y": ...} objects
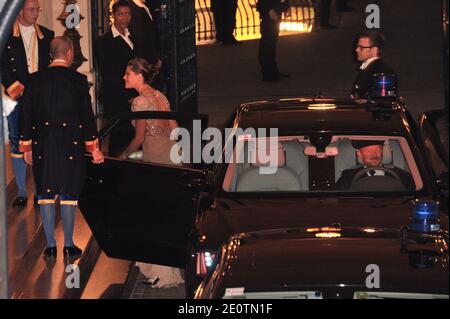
[
  {"x": 300, "y": 115},
  {"x": 297, "y": 259}
]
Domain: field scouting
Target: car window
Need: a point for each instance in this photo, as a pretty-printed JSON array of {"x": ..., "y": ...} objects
[
  {"x": 433, "y": 155},
  {"x": 295, "y": 164}
]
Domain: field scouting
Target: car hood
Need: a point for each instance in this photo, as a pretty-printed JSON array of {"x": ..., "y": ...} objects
[
  {"x": 337, "y": 267},
  {"x": 228, "y": 216}
]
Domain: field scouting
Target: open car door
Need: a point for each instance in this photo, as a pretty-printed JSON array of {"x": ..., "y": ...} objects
[
  {"x": 433, "y": 128},
  {"x": 140, "y": 210}
]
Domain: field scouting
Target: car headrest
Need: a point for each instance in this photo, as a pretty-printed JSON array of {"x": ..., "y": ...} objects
[
  {"x": 387, "y": 155},
  {"x": 267, "y": 154}
]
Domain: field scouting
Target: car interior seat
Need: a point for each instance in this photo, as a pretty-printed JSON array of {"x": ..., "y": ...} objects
[{"x": 284, "y": 178}]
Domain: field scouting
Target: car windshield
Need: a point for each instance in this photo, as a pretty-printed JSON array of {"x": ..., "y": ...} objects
[{"x": 363, "y": 164}]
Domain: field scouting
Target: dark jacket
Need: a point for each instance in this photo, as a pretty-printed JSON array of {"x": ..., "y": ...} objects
[
  {"x": 143, "y": 31},
  {"x": 264, "y": 6},
  {"x": 345, "y": 180},
  {"x": 364, "y": 79},
  {"x": 58, "y": 122},
  {"x": 112, "y": 56},
  {"x": 14, "y": 65}
]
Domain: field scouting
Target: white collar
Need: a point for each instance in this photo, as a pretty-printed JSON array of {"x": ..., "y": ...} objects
[
  {"x": 116, "y": 32},
  {"x": 139, "y": 3},
  {"x": 24, "y": 29},
  {"x": 367, "y": 62}
]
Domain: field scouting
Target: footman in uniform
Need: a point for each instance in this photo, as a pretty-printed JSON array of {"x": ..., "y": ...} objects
[{"x": 57, "y": 127}]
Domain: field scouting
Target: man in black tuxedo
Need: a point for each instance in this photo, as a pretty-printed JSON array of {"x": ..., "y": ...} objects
[
  {"x": 113, "y": 51},
  {"x": 369, "y": 49},
  {"x": 225, "y": 20},
  {"x": 27, "y": 51},
  {"x": 143, "y": 28},
  {"x": 371, "y": 155},
  {"x": 271, "y": 14}
]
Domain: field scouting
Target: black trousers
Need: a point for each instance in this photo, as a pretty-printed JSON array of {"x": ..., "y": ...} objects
[
  {"x": 323, "y": 8},
  {"x": 224, "y": 18},
  {"x": 270, "y": 30}
]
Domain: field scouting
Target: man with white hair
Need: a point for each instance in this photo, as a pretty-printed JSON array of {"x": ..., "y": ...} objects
[{"x": 27, "y": 51}]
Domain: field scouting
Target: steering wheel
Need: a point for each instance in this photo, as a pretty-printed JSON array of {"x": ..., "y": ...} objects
[{"x": 360, "y": 180}]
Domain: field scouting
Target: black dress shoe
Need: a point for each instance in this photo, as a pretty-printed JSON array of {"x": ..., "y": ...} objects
[
  {"x": 70, "y": 252},
  {"x": 50, "y": 252},
  {"x": 20, "y": 202}
]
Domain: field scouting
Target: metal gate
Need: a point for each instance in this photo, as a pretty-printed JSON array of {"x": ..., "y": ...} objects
[
  {"x": 176, "y": 29},
  {"x": 302, "y": 19}
]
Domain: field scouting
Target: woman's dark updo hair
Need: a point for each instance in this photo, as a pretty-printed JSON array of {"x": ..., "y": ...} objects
[{"x": 148, "y": 71}]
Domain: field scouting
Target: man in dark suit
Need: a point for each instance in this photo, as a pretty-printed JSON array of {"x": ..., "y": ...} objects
[
  {"x": 225, "y": 20},
  {"x": 370, "y": 154},
  {"x": 271, "y": 14},
  {"x": 113, "y": 51},
  {"x": 27, "y": 51},
  {"x": 369, "y": 50},
  {"x": 143, "y": 29},
  {"x": 57, "y": 128}
]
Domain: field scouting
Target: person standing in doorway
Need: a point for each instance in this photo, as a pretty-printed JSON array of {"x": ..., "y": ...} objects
[{"x": 113, "y": 50}]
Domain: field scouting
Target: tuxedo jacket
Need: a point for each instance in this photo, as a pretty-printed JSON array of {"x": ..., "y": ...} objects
[
  {"x": 144, "y": 32},
  {"x": 345, "y": 180},
  {"x": 364, "y": 79},
  {"x": 14, "y": 66},
  {"x": 112, "y": 56}
]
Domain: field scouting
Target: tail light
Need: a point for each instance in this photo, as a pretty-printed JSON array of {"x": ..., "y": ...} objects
[{"x": 204, "y": 262}]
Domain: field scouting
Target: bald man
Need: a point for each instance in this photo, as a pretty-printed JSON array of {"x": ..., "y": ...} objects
[
  {"x": 57, "y": 128},
  {"x": 27, "y": 51}
]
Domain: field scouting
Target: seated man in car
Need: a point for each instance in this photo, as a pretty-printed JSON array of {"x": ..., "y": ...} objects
[{"x": 372, "y": 175}]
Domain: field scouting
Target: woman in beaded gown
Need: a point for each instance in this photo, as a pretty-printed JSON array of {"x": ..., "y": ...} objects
[{"x": 154, "y": 138}]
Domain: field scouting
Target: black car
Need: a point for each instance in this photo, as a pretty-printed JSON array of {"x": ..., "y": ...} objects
[
  {"x": 180, "y": 215},
  {"x": 323, "y": 263}
]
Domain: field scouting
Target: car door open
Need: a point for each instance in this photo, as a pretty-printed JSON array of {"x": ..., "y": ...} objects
[{"x": 140, "y": 210}]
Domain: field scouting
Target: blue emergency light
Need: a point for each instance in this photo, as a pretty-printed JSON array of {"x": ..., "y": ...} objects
[
  {"x": 384, "y": 86},
  {"x": 425, "y": 216}
]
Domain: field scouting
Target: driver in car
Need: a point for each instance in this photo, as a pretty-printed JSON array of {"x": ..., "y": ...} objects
[{"x": 373, "y": 176}]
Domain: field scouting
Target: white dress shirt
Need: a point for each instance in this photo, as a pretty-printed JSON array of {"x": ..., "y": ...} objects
[
  {"x": 367, "y": 62},
  {"x": 126, "y": 38},
  {"x": 30, "y": 42}
]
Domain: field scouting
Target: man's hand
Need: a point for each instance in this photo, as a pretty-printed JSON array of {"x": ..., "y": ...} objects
[
  {"x": 273, "y": 14},
  {"x": 28, "y": 158},
  {"x": 98, "y": 157}
]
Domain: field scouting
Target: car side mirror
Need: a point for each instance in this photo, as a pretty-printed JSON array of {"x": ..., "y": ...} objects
[
  {"x": 443, "y": 182},
  {"x": 193, "y": 181}
]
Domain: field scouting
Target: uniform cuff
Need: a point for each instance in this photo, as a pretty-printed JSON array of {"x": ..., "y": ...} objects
[
  {"x": 15, "y": 90},
  {"x": 92, "y": 146},
  {"x": 25, "y": 146}
]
